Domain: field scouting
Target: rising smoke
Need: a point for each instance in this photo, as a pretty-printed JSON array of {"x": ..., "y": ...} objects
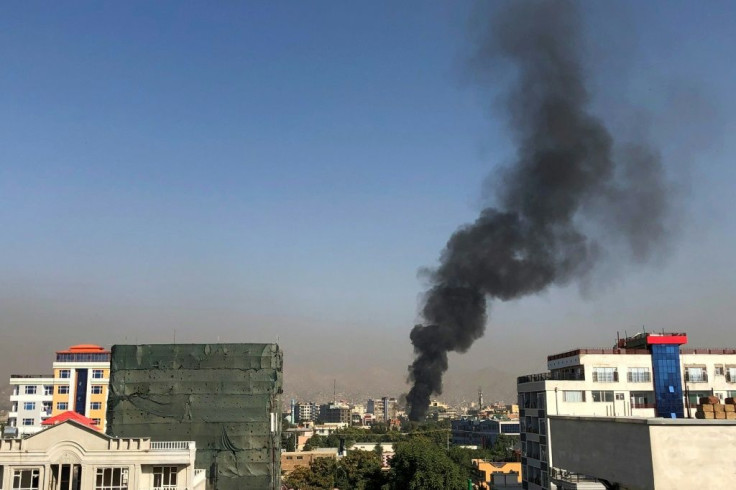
[{"x": 565, "y": 189}]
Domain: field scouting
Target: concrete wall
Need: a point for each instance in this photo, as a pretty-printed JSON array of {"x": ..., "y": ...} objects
[
  {"x": 647, "y": 453},
  {"x": 693, "y": 456},
  {"x": 617, "y": 450}
]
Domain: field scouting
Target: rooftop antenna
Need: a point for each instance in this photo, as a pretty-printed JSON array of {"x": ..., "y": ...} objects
[{"x": 334, "y": 390}]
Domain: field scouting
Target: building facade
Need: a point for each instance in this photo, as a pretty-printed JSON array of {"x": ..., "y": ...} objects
[
  {"x": 81, "y": 379},
  {"x": 71, "y": 456},
  {"x": 648, "y": 375},
  {"x": 31, "y": 402},
  {"x": 482, "y": 432}
]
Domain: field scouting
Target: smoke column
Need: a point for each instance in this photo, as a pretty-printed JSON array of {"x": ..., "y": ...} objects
[{"x": 565, "y": 192}]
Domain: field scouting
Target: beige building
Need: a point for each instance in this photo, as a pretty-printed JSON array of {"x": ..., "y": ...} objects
[
  {"x": 639, "y": 454},
  {"x": 292, "y": 460},
  {"x": 71, "y": 456}
]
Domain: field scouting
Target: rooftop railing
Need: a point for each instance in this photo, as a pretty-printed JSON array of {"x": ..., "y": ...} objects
[{"x": 169, "y": 445}]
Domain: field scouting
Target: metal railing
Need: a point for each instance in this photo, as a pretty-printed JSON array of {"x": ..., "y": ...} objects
[
  {"x": 698, "y": 377},
  {"x": 169, "y": 445}
]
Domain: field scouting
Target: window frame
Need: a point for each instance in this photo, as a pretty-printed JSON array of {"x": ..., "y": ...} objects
[
  {"x": 35, "y": 479},
  {"x": 96, "y": 389},
  {"x": 65, "y": 373},
  {"x": 165, "y": 477},
  {"x": 62, "y": 390},
  {"x": 123, "y": 478},
  {"x": 48, "y": 390},
  {"x": 65, "y": 406},
  {"x": 29, "y": 406},
  {"x": 30, "y": 389},
  {"x": 566, "y": 393},
  {"x": 27, "y": 422},
  {"x": 95, "y": 405},
  {"x": 98, "y": 374},
  {"x": 603, "y": 395},
  {"x": 610, "y": 374}
]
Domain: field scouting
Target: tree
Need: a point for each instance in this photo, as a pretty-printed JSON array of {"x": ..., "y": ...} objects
[
  {"x": 418, "y": 464},
  {"x": 503, "y": 448},
  {"x": 360, "y": 470}
]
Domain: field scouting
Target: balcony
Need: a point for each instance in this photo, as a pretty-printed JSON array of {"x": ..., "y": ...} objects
[
  {"x": 696, "y": 377},
  {"x": 551, "y": 375},
  {"x": 606, "y": 377},
  {"x": 643, "y": 405},
  {"x": 170, "y": 446}
]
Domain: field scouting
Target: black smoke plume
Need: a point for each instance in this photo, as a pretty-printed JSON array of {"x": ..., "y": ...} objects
[{"x": 565, "y": 194}]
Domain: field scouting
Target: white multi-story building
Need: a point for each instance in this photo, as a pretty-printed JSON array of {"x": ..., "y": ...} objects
[
  {"x": 647, "y": 375},
  {"x": 30, "y": 402},
  {"x": 71, "y": 456},
  {"x": 306, "y": 411}
]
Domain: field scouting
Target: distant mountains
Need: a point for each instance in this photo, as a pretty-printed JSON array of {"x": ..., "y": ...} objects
[{"x": 304, "y": 384}]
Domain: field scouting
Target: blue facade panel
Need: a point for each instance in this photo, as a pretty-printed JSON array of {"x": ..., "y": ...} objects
[{"x": 667, "y": 381}]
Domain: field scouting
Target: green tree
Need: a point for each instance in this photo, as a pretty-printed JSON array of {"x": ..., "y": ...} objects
[
  {"x": 418, "y": 464},
  {"x": 503, "y": 448},
  {"x": 360, "y": 470}
]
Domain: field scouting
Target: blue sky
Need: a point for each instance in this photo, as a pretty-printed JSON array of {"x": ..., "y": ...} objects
[{"x": 247, "y": 171}]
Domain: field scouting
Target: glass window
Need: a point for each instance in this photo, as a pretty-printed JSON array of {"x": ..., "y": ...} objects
[
  {"x": 62, "y": 390},
  {"x": 718, "y": 371},
  {"x": 639, "y": 375},
  {"x": 731, "y": 374},
  {"x": 111, "y": 479},
  {"x": 65, "y": 373},
  {"x": 46, "y": 407},
  {"x": 97, "y": 373},
  {"x": 27, "y": 421},
  {"x": 62, "y": 406},
  {"x": 26, "y": 479},
  {"x": 573, "y": 396},
  {"x": 96, "y": 389},
  {"x": 605, "y": 374},
  {"x": 95, "y": 406},
  {"x": 164, "y": 477},
  {"x": 602, "y": 396},
  {"x": 29, "y": 406},
  {"x": 48, "y": 390},
  {"x": 30, "y": 390},
  {"x": 696, "y": 374}
]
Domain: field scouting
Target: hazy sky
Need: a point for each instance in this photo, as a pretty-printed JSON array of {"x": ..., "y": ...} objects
[{"x": 254, "y": 171}]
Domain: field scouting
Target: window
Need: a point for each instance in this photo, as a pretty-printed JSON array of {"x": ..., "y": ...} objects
[
  {"x": 642, "y": 399},
  {"x": 62, "y": 390},
  {"x": 97, "y": 373},
  {"x": 696, "y": 374},
  {"x": 95, "y": 406},
  {"x": 27, "y": 421},
  {"x": 29, "y": 406},
  {"x": 62, "y": 406},
  {"x": 111, "y": 479},
  {"x": 65, "y": 373},
  {"x": 620, "y": 396},
  {"x": 605, "y": 375},
  {"x": 731, "y": 374},
  {"x": 26, "y": 479},
  {"x": 602, "y": 396},
  {"x": 95, "y": 421},
  {"x": 639, "y": 375},
  {"x": 30, "y": 390},
  {"x": 48, "y": 390},
  {"x": 46, "y": 407},
  {"x": 164, "y": 477},
  {"x": 718, "y": 370},
  {"x": 573, "y": 396},
  {"x": 96, "y": 389}
]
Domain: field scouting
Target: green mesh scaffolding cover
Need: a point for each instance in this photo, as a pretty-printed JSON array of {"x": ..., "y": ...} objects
[{"x": 225, "y": 397}]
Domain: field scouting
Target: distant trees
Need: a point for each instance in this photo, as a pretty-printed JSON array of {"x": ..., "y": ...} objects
[
  {"x": 358, "y": 470},
  {"x": 418, "y": 464}
]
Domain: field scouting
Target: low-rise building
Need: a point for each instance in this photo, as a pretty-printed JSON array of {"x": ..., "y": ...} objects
[
  {"x": 386, "y": 448},
  {"x": 292, "y": 460},
  {"x": 486, "y": 471},
  {"x": 481, "y": 432},
  {"x": 70, "y": 455}
]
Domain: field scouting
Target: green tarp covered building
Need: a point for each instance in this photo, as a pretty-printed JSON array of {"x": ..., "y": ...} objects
[{"x": 225, "y": 397}]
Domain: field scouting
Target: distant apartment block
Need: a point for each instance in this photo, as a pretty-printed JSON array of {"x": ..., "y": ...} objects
[
  {"x": 482, "y": 433},
  {"x": 383, "y": 409},
  {"x": 334, "y": 413},
  {"x": 31, "y": 399},
  {"x": 78, "y": 383},
  {"x": 648, "y": 375},
  {"x": 306, "y": 411},
  {"x": 81, "y": 379}
]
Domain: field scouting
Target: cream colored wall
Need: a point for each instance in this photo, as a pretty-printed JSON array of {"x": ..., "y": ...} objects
[{"x": 694, "y": 456}]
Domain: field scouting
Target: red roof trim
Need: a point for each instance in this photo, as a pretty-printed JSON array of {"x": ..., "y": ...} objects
[
  {"x": 667, "y": 339},
  {"x": 84, "y": 349},
  {"x": 69, "y": 415}
]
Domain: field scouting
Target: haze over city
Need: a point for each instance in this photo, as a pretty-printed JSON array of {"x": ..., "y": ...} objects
[{"x": 253, "y": 172}]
